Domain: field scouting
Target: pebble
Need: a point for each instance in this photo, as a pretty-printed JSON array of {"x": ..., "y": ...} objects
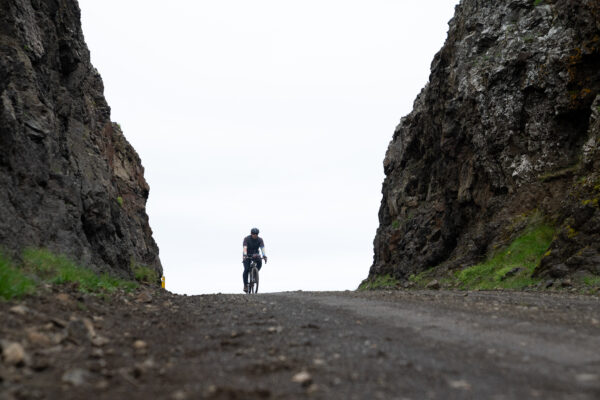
[
  {"x": 100, "y": 341},
  {"x": 40, "y": 362},
  {"x": 78, "y": 331},
  {"x": 38, "y": 339},
  {"x": 76, "y": 376},
  {"x": 144, "y": 297},
  {"x": 459, "y": 384},
  {"x": 97, "y": 353},
  {"x": 19, "y": 310},
  {"x": 303, "y": 378},
  {"x": 212, "y": 389},
  {"x": 13, "y": 353},
  {"x": 179, "y": 395},
  {"x": 103, "y": 384},
  {"x": 58, "y": 322},
  {"x": 587, "y": 378},
  {"x": 142, "y": 368},
  {"x": 434, "y": 284},
  {"x": 275, "y": 329},
  {"x": 140, "y": 345},
  {"x": 90, "y": 328},
  {"x": 312, "y": 388},
  {"x": 63, "y": 298}
]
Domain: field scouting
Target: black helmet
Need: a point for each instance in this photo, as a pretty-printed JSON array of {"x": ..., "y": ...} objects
[{"x": 254, "y": 231}]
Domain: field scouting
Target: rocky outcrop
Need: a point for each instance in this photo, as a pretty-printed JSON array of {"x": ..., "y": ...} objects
[
  {"x": 508, "y": 124},
  {"x": 69, "y": 180}
]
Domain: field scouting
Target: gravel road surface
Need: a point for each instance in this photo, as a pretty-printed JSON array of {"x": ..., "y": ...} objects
[{"x": 322, "y": 345}]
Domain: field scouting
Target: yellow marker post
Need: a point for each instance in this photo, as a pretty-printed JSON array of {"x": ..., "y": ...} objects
[{"x": 162, "y": 282}]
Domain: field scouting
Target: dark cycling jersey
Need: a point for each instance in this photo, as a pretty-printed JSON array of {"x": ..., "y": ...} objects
[{"x": 253, "y": 244}]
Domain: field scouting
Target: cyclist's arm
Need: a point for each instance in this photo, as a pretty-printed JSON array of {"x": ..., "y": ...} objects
[
  {"x": 262, "y": 250},
  {"x": 245, "y": 248}
]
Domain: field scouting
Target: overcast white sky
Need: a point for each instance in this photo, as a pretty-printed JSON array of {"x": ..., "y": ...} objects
[{"x": 275, "y": 114}]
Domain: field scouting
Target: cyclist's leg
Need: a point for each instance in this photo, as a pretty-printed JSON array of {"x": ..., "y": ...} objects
[
  {"x": 246, "y": 270},
  {"x": 259, "y": 264}
]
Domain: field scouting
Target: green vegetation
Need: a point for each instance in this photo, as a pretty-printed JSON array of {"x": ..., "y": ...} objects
[
  {"x": 509, "y": 266},
  {"x": 120, "y": 201},
  {"x": 559, "y": 174},
  {"x": 380, "y": 282},
  {"x": 396, "y": 224},
  {"x": 144, "y": 274},
  {"x": 592, "y": 280},
  {"x": 13, "y": 283},
  {"x": 587, "y": 283},
  {"x": 538, "y": 2},
  {"x": 59, "y": 269},
  {"x": 422, "y": 278},
  {"x": 43, "y": 266},
  {"x": 520, "y": 258}
]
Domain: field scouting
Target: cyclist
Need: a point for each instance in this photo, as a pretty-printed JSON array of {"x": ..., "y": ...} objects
[{"x": 251, "y": 245}]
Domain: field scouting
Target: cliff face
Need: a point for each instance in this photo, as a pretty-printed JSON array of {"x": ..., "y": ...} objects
[
  {"x": 509, "y": 124},
  {"x": 69, "y": 180}
]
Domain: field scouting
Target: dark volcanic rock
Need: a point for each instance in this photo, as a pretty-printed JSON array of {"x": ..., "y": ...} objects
[
  {"x": 69, "y": 180},
  {"x": 507, "y": 124}
]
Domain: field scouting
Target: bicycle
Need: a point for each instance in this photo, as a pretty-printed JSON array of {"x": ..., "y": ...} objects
[{"x": 253, "y": 275}]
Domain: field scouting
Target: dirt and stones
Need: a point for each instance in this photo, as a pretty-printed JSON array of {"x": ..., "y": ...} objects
[{"x": 410, "y": 345}]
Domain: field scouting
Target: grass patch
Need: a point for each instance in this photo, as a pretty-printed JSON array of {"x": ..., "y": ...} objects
[
  {"x": 120, "y": 201},
  {"x": 420, "y": 279},
  {"x": 520, "y": 258},
  {"x": 562, "y": 173},
  {"x": 58, "y": 269},
  {"x": 380, "y": 282},
  {"x": 13, "y": 282},
  {"x": 144, "y": 274},
  {"x": 592, "y": 281},
  {"x": 588, "y": 283},
  {"x": 538, "y": 2}
]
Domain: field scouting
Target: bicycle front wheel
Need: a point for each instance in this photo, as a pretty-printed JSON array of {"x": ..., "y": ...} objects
[
  {"x": 250, "y": 283},
  {"x": 255, "y": 279}
]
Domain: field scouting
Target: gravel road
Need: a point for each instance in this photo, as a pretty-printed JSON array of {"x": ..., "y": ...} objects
[{"x": 322, "y": 345}]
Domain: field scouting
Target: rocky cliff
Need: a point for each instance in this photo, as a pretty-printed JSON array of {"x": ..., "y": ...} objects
[
  {"x": 508, "y": 126},
  {"x": 69, "y": 180}
]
